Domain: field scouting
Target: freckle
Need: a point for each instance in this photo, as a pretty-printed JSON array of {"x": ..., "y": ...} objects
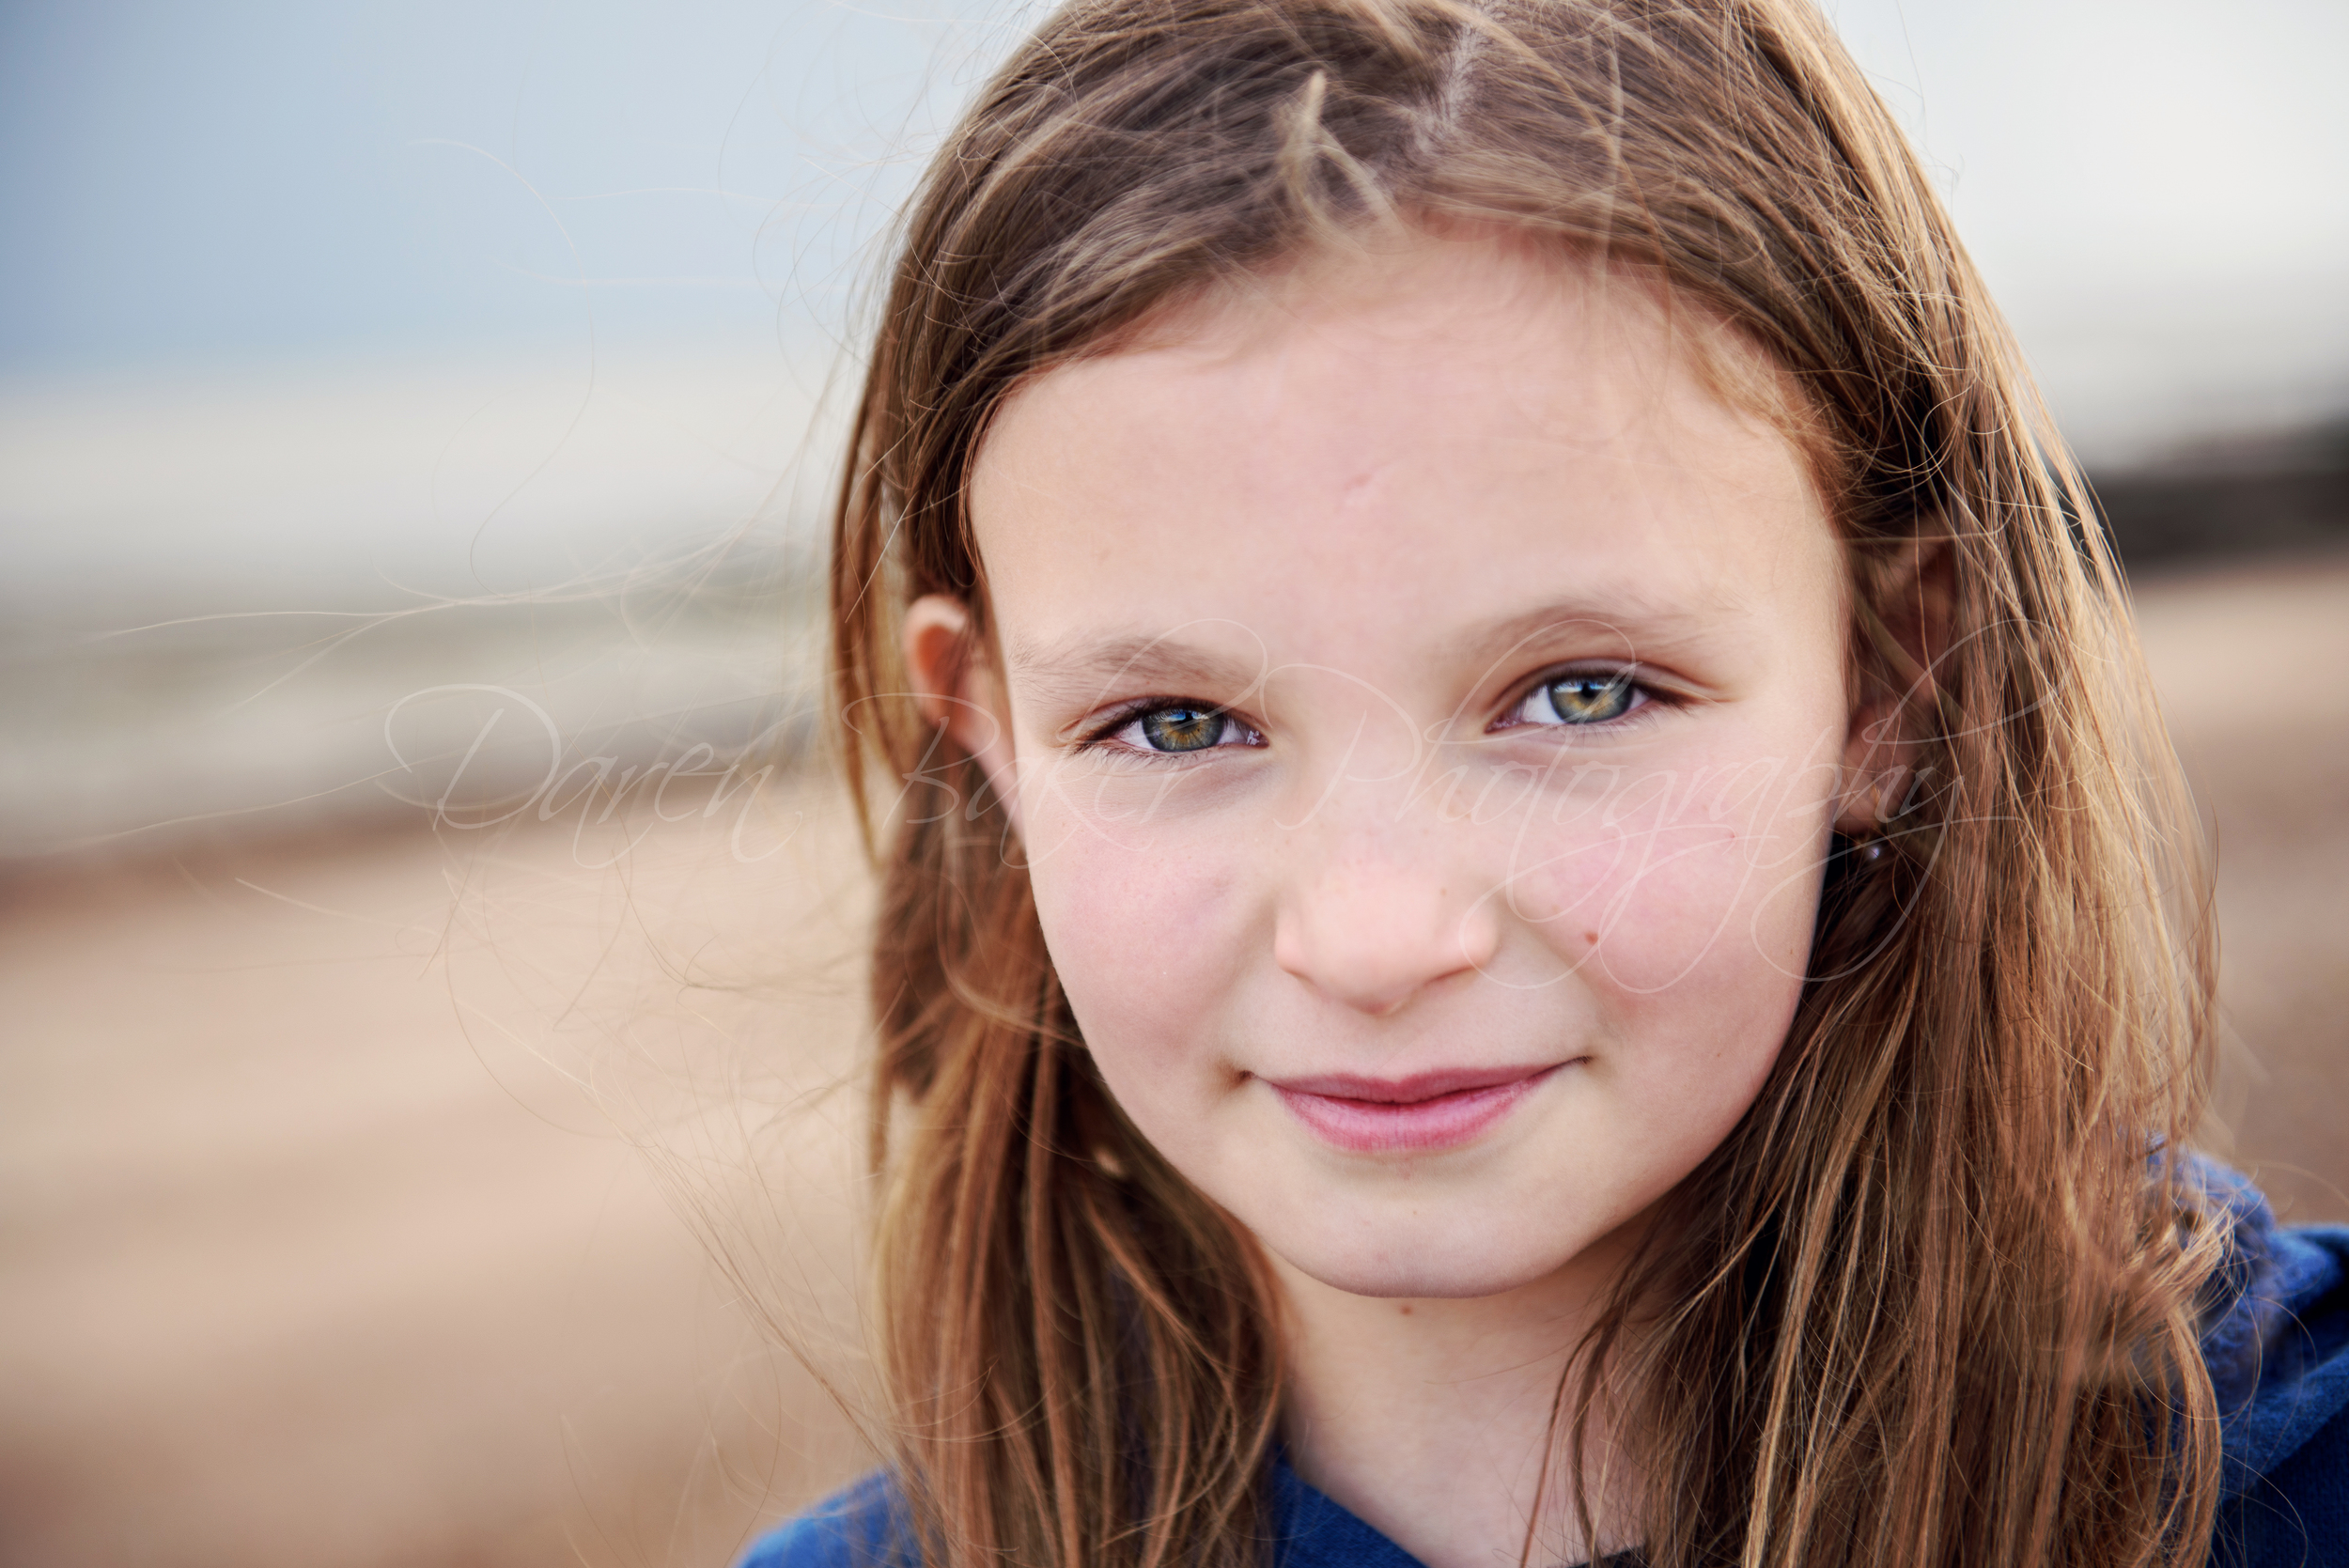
[{"x": 1407, "y": 1308}]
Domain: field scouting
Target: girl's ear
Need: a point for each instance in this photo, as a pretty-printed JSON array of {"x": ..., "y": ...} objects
[
  {"x": 1904, "y": 617},
  {"x": 959, "y": 690}
]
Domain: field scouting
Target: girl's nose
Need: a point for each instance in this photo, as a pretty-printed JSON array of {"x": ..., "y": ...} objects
[{"x": 1373, "y": 934}]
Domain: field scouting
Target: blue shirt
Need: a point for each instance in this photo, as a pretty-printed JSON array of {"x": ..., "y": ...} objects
[{"x": 2277, "y": 1349}]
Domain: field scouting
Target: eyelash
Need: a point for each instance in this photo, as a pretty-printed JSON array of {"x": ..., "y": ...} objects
[
  {"x": 1104, "y": 739},
  {"x": 1644, "y": 698}
]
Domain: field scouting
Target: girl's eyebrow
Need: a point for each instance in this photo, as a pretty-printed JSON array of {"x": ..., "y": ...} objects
[
  {"x": 1079, "y": 671},
  {"x": 1644, "y": 626}
]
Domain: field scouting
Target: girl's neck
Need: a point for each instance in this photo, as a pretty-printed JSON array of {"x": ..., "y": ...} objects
[{"x": 1430, "y": 1420}]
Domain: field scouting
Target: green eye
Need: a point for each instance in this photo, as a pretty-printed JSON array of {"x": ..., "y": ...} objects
[
  {"x": 1183, "y": 729},
  {"x": 1589, "y": 699}
]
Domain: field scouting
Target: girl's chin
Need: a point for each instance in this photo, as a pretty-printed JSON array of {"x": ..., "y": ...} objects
[
  {"x": 1406, "y": 1271},
  {"x": 1418, "y": 1241}
]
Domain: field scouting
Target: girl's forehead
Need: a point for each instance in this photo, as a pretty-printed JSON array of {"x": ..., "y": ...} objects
[
  {"x": 1379, "y": 356},
  {"x": 1450, "y": 311},
  {"x": 1368, "y": 431},
  {"x": 1485, "y": 303}
]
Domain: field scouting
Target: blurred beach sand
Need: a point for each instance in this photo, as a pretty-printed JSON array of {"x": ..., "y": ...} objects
[
  {"x": 2247, "y": 660},
  {"x": 354, "y": 1194},
  {"x": 357, "y": 1190}
]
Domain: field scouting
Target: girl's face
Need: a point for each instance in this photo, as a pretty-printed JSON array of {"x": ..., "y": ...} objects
[{"x": 1423, "y": 708}]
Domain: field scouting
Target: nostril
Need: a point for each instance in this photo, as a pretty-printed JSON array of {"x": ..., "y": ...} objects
[{"x": 1479, "y": 934}]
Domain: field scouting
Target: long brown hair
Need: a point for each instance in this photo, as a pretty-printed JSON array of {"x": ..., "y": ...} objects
[{"x": 1934, "y": 1301}]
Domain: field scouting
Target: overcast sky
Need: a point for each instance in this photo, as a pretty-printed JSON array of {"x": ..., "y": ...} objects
[{"x": 2158, "y": 189}]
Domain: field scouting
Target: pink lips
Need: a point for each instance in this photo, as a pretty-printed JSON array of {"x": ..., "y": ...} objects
[{"x": 1431, "y": 1110}]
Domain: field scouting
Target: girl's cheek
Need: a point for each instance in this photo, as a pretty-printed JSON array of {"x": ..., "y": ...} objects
[
  {"x": 1137, "y": 933},
  {"x": 1654, "y": 900}
]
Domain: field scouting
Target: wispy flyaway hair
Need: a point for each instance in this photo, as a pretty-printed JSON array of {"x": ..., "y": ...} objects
[{"x": 1933, "y": 1303}]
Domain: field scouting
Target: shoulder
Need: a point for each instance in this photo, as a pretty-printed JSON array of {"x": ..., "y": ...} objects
[
  {"x": 2278, "y": 1346},
  {"x": 865, "y": 1525}
]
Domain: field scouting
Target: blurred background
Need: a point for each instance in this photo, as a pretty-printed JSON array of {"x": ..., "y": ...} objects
[{"x": 428, "y": 968}]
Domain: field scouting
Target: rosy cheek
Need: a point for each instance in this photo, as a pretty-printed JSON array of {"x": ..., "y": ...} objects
[
  {"x": 1138, "y": 939},
  {"x": 1663, "y": 900}
]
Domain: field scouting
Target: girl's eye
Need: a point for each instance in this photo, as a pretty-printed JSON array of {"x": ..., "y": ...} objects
[
  {"x": 1583, "y": 697},
  {"x": 1179, "y": 727}
]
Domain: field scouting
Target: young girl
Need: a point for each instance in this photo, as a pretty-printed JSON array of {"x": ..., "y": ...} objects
[{"x": 1532, "y": 909}]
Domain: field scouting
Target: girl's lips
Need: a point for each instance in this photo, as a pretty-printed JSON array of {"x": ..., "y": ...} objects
[{"x": 1431, "y": 1110}]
